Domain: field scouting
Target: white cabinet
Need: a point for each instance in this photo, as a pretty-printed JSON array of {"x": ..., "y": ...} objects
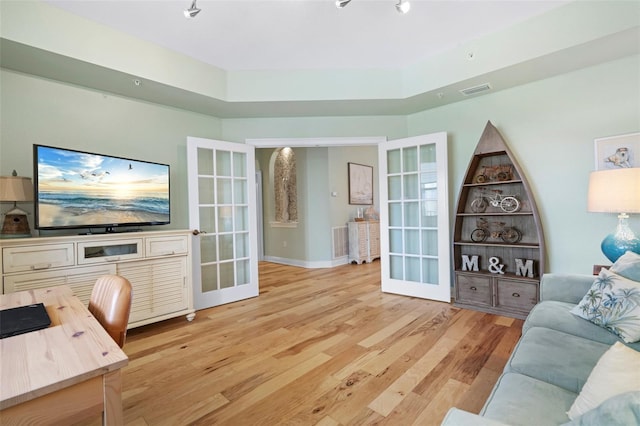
[
  {"x": 364, "y": 241},
  {"x": 156, "y": 263}
]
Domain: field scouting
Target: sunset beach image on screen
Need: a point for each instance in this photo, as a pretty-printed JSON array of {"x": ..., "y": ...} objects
[{"x": 80, "y": 189}]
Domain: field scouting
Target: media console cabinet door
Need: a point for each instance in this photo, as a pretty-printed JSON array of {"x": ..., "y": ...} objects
[{"x": 159, "y": 287}]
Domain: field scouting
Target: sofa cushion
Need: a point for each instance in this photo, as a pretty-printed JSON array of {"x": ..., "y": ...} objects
[
  {"x": 521, "y": 400},
  {"x": 555, "y": 357},
  {"x": 558, "y": 316},
  {"x": 613, "y": 302},
  {"x": 564, "y": 287},
  {"x": 457, "y": 417},
  {"x": 617, "y": 372},
  {"x": 620, "y": 410},
  {"x": 628, "y": 265}
]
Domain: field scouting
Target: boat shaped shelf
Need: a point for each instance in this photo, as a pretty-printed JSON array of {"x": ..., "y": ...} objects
[{"x": 498, "y": 246}]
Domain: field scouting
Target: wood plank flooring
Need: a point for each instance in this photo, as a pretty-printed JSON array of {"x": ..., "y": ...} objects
[{"x": 317, "y": 347}]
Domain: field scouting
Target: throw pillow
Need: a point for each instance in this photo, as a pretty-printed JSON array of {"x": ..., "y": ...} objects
[
  {"x": 613, "y": 302},
  {"x": 621, "y": 410},
  {"x": 628, "y": 265},
  {"x": 617, "y": 372}
]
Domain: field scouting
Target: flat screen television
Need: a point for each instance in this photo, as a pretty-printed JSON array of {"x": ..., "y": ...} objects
[{"x": 77, "y": 189}]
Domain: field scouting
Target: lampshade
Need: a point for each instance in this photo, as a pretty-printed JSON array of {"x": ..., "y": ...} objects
[
  {"x": 16, "y": 188},
  {"x": 614, "y": 191}
]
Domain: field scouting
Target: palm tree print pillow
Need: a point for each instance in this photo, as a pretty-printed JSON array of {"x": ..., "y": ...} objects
[{"x": 613, "y": 302}]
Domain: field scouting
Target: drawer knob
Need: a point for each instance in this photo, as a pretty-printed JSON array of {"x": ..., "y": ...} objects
[
  {"x": 515, "y": 295},
  {"x": 473, "y": 288}
]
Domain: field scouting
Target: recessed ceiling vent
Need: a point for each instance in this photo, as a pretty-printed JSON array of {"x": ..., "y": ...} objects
[{"x": 476, "y": 89}]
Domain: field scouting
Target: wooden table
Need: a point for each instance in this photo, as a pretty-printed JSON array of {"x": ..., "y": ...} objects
[{"x": 65, "y": 373}]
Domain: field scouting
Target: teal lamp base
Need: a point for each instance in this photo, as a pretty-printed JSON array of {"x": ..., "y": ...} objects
[{"x": 622, "y": 240}]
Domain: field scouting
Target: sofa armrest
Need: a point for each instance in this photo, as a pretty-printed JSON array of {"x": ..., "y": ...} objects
[
  {"x": 569, "y": 288},
  {"x": 457, "y": 417}
]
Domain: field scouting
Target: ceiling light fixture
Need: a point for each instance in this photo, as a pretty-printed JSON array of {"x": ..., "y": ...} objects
[
  {"x": 403, "y": 6},
  {"x": 192, "y": 11}
]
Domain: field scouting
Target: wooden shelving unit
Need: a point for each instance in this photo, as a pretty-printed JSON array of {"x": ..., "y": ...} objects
[{"x": 498, "y": 244}]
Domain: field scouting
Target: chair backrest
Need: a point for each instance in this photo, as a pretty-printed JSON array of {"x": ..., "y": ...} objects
[{"x": 110, "y": 303}]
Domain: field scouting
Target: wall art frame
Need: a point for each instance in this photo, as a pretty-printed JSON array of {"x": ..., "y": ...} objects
[
  {"x": 360, "y": 184},
  {"x": 616, "y": 152}
]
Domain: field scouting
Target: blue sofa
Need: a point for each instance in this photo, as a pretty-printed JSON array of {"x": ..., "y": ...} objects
[{"x": 550, "y": 365}]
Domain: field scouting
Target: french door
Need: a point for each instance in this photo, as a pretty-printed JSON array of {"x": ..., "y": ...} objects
[
  {"x": 222, "y": 215},
  {"x": 414, "y": 217}
]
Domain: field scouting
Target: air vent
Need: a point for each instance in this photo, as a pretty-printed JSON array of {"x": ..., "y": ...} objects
[{"x": 476, "y": 89}]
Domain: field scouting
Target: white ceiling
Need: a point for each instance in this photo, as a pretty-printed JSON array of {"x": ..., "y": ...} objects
[
  {"x": 279, "y": 39},
  {"x": 308, "y": 34}
]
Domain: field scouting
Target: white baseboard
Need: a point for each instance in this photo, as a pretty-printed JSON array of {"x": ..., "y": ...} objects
[{"x": 308, "y": 264}]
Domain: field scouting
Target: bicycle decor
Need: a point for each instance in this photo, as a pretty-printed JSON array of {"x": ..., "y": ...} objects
[
  {"x": 495, "y": 230},
  {"x": 500, "y": 173},
  {"x": 494, "y": 198}
]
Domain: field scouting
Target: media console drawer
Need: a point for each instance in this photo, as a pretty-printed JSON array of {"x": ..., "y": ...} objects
[
  {"x": 37, "y": 257},
  {"x": 80, "y": 280},
  {"x": 109, "y": 251},
  {"x": 166, "y": 246}
]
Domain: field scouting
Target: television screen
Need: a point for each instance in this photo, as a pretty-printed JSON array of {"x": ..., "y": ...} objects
[{"x": 75, "y": 189}]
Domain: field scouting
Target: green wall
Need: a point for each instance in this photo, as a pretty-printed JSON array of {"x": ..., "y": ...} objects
[
  {"x": 38, "y": 111},
  {"x": 320, "y": 172},
  {"x": 341, "y": 210},
  {"x": 549, "y": 125}
]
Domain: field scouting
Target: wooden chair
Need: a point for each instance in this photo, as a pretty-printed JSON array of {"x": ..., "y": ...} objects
[{"x": 110, "y": 303}]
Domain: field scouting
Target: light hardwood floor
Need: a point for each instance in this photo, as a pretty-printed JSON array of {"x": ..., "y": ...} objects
[{"x": 317, "y": 347}]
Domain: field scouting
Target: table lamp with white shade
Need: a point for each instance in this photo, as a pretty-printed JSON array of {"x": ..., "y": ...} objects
[
  {"x": 616, "y": 191},
  {"x": 16, "y": 189}
]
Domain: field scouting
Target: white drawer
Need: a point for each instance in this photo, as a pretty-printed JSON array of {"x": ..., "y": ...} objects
[
  {"x": 80, "y": 280},
  {"x": 37, "y": 257},
  {"x": 166, "y": 246},
  {"x": 92, "y": 252}
]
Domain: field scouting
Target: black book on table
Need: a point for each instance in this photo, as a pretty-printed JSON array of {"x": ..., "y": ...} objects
[{"x": 23, "y": 319}]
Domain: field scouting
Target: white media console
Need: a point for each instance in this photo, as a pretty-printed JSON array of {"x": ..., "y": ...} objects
[{"x": 158, "y": 265}]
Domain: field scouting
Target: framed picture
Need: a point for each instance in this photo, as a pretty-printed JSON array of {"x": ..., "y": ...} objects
[
  {"x": 615, "y": 152},
  {"x": 360, "y": 184}
]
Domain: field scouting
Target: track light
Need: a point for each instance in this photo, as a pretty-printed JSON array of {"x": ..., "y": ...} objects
[
  {"x": 403, "y": 6},
  {"x": 192, "y": 11}
]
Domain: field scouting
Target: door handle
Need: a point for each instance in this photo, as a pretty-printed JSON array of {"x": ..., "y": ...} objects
[{"x": 196, "y": 232}]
